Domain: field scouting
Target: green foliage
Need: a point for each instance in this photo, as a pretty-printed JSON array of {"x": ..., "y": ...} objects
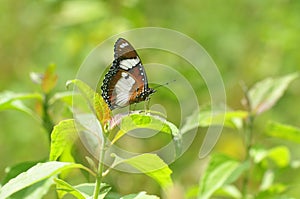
[
  {"x": 262, "y": 164},
  {"x": 219, "y": 178},
  {"x": 141, "y": 195},
  {"x": 155, "y": 167},
  {"x": 264, "y": 94},
  {"x": 258, "y": 41},
  {"x": 64, "y": 188},
  {"x": 205, "y": 118},
  {"x": 36, "y": 174},
  {"x": 95, "y": 101},
  {"x": 62, "y": 140},
  {"x": 279, "y": 155},
  {"x": 81, "y": 191},
  {"x": 37, "y": 190},
  {"x": 75, "y": 24},
  {"x": 283, "y": 131},
  {"x": 218, "y": 173},
  {"x": 14, "y": 101},
  {"x": 144, "y": 120},
  {"x": 43, "y": 101},
  {"x": 15, "y": 170}
]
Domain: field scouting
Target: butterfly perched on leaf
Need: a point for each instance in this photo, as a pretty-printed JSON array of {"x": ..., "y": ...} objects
[{"x": 126, "y": 82}]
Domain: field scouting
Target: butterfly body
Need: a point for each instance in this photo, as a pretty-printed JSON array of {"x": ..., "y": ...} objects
[{"x": 126, "y": 82}]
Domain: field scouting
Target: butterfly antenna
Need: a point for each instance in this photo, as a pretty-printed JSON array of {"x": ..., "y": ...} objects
[{"x": 167, "y": 83}]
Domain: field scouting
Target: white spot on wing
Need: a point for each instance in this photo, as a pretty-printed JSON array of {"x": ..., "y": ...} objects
[
  {"x": 123, "y": 88},
  {"x": 129, "y": 63},
  {"x": 123, "y": 45}
]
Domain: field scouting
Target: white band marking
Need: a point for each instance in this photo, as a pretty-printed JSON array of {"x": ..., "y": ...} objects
[{"x": 129, "y": 63}]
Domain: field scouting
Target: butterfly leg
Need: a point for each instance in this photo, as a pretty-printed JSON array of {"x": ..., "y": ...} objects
[
  {"x": 132, "y": 107},
  {"x": 147, "y": 105}
]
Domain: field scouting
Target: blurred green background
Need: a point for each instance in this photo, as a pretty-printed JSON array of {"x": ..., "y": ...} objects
[{"x": 248, "y": 40}]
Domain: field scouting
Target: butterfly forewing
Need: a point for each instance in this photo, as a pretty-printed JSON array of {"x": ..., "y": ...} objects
[
  {"x": 126, "y": 81},
  {"x": 124, "y": 50}
]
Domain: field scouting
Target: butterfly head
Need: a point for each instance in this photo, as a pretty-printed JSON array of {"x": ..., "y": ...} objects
[{"x": 145, "y": 95}]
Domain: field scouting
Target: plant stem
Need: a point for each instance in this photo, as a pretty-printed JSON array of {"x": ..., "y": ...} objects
[
  {"x": 47, "y": 121},
  {"x": 248, "y": 131},
  {"x": 248, "y": 144},
  {"x": 100, "y": 170}
]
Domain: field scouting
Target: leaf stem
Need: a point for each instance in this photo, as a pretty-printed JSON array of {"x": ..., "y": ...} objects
[{"x": 100, "y": 170}]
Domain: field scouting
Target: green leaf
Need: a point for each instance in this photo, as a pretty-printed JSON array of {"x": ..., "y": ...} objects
[
  {"x": 229, "y": 191},
  {"x": 15, "y": 170},
  {"x": 192, "y": 192},
  {"x": 8, "y": 96},
  {"x": 275, "y": 191},
  {"x": 88, "y": 189},
  {"x": 64, "y": 188},
  {"x": 264, "y": 94},
  {"x": 63, "y": 136},
  {"x": 141, "y": 195},
  {"x": 94, "y": 100},
  {"x": 49, "y": 79},
  {"x": 35, "y": 174},
  {"x": 242, "y": 167},
  {"x": 81, "y": 191},
  {"x": 280, "y": 155},
  {"x": 37, "y": 190},
  {"x": 258, "y": 154},
  {"x": 267, "y": 180},
  {"x": 13, "y": 101},
  {"x": 231, "y": 119},
  {"x": 220, "y": 169},
  {"x": 146, "y": 121},
  {"x": 151, "y": 165},
  {"x": 66, "y": 97},
  {"x": 205, "y": 118},
  {"x": 283, "y": 131},
  {"x": 191, "y": 122}
]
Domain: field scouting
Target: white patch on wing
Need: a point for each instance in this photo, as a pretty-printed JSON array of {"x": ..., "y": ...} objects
[
  {"x": 129, "y": 63},
  {"x": 123, "y": 45},
  {"x": 123, "y": 88}
]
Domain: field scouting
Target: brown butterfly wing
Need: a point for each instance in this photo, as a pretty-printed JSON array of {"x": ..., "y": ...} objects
[
  {"x": 124, "y": 50},
  {"x": 126, "y": 81}
]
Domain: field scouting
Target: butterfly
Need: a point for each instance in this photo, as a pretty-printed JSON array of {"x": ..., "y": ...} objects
[{"x": 126, "y": 82}]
